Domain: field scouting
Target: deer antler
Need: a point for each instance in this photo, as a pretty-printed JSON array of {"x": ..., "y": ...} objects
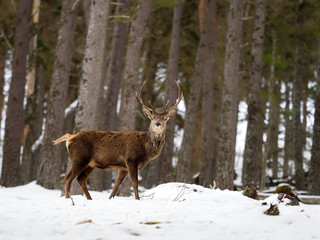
[
  {"x": 180, "y": 96},
  {"x": 139, "y": 99}
]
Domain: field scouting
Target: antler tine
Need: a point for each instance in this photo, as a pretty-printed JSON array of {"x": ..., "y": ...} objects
[
  {"x": 150, "y": 104},
  {"x": 139, "y": 99},
  {"x": 165, "y": 107},
  {"x": 180, "y": 96}
]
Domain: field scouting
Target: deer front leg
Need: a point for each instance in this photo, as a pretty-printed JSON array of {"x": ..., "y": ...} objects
[
  {"x": 133, "y": 174},
  {"x": 120, "y": 177}
]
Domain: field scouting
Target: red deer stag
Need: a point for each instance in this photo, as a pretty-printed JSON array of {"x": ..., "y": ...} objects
[{"x": 126, "y": 151}]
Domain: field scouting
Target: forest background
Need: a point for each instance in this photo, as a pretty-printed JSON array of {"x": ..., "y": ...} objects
[{"x": 77, "y": 64}]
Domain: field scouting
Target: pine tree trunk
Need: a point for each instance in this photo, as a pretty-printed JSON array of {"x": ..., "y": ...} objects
[
  {"x": 224, "y": 174},
  {"x": 128, "y": 106},
  {"x": 150, "y": 175},
  {"x": 253, "y": 149},
  {"x": 266, "y": 153},
  {"x": 203, "y": 55},
  {"x": 33, "y": 118},
  {"x": 274, "y": 122},
  {"x": 32, "y": 47},
  {"x": 314, "y": 176},
  {"x": 86, "y": 8},
  {"x": 131, "y": 78},
  {"x": 32, "y": 103},
  {"x": 288, "y": 132},
  {"x": 92, "y": 78},
  {"x": 3, "y": 59},
  {"x": 297, "y": 130},
  {"x": 274, "y": 115},
  {"x": 120, "y": 33},
  {"x": 172, "y": 75},
  {"x": 206, "y": 158},
  {"x": 14, "y": 117},
  {"x": 50, "y": 155}
]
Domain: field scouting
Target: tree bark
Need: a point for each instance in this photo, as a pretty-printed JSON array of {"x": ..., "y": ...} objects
[
  {"x": 150, "y": 175},
  {"x": 32, "y": 47},
  {"x": 32, "y": 102},
  {"x": 171, "y": 93},
  {"x": 272, "y": 114},
  {"x": 206, "y": 157},
  {"x": 86, "y": 8},
  {"x": 3, "y": 59},
  {"x": 92, "y": 78},
  {"x": 50, "y": 155},
  {"x": 33, "y": 120},
  {"x": 203, "y": 55},
  {"x": 120, "y": 34},
  {"x": 224, "y": 173},
  {"x": 131, "y": 76},
  {"x": 288, "y": 149},
  {"x": 314, "y": 176},
  {"x": 128, "y": 106},
  {"x": 253, "y": 149},
  {"x": 14, "y": 120},
  {"x": 297, "y": 130}
]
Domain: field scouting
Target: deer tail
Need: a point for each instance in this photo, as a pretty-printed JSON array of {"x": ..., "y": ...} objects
[{"x": 63, "y": 138}]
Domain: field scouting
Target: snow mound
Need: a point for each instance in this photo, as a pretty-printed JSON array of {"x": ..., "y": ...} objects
[{"x": 168, "y": 211}]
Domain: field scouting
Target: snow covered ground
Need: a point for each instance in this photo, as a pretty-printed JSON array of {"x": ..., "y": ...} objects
[{"x": 169, "y": 211}]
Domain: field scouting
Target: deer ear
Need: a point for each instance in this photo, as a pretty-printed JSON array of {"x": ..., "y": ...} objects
[
  {"x": 148, "y": 113},
  {"x": 170, "y": 114}
]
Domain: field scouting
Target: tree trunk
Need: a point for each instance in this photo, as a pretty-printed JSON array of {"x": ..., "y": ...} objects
[
  {"x": 14, "y": 117},
  {"x": 206, "y": 158},
  {"x": 172, "y": 75},
  {"x": 224, "y": 174},
  {"x": 50, "y": 155},
  {"x": 38, "y": 122},
  {"x": 3, "y": 59},
  {"x": 33, "y": 120},
  {"x": 252, "y": 158},
  {"x": 297, "y": 131},
  {"x": 314, "y": 176},
  {"x": 150, "y": 175},
  {"x": 288, "y": 134},
  {"x": 92, "y": 78},
  {"x": 203, "y": 54},
  {"x": 120, "y": 33},
  {"x": 131, "y": 78},
  {"x": 272, "y": 115},
  {"x": 128, "y": 106},
  {"x": 86, "y": 8},
  {"x": 30, "y": 112},
  {"x": 32, "y": 47}
]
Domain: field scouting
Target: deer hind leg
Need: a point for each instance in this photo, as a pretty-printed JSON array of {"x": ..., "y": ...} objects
[
  {"x": 75, "y": 170},
  {"x": 82, "y": 180},
  {"x": 120, "y": 177},
  {"x": 133, "y": 174}
]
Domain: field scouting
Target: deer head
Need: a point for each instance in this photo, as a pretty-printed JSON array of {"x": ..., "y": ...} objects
[{"x": 158, "y": 119}]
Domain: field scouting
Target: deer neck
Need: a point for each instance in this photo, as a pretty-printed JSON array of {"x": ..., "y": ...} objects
[{"x": 154, "y": 143}]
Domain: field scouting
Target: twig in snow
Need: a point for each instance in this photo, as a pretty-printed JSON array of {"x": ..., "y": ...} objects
[
  {"x": 214, "y": 185},
  {"x": 72, "y": 202},
  {"x": 150, "y": 195},
  {"x": 180, "y": 194},
  {"x": 84, "y": 221}
]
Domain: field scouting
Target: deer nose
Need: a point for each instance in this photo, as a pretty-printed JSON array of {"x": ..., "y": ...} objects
[{"x": 158, "y": 124}]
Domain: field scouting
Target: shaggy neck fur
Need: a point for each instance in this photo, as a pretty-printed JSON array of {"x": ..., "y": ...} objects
[{"x": 154, "y": 144}]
